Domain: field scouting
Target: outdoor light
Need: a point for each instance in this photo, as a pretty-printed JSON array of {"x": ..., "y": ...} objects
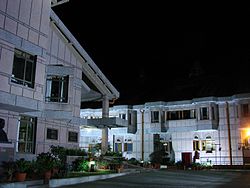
[{"x": 248, "y": 132}]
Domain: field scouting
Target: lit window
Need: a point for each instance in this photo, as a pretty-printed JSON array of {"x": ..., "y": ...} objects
[
  {"x": 27, "y": 133},
  {"x": 57, "y": 89},
  {"x": 208, "y": 145},
  {"x": 73, "y": 136},
  {"x": 196, "y": 144},
  {"x": 52, "y": 134},
  {"x": 118, "y": 147},
  {"x": 24, "y": 69}
]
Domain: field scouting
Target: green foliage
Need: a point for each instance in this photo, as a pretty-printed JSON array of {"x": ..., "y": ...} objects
[
  {"x": 83, "y": 166},
  {"x": 113, "y": 154},
  {"x": 47, "y": 161},
  {"x": 156, "y": 157},
  {"x": 133, "y": 161},
  {"x": 80, "y": 164},
  {"x": 59, "y": 151},
  {"x": 22, "y": 165}
]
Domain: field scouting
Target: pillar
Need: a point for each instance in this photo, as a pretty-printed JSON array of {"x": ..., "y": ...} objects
[{"x": 105, "y": 114}]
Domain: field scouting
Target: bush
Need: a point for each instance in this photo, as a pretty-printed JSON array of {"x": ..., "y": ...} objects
[
  {"x": 80, "y": 164},
  {"x": 22, "y": 165}
]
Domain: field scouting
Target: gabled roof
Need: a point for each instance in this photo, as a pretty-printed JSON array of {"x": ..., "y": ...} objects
[{"x": 89, "y": 68}]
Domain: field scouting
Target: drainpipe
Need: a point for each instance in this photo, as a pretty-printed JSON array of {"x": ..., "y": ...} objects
[
  {"x": 105, "y": 114},
  {"x": 142, "y": 134},
  {"x": 229, "y": 133}
]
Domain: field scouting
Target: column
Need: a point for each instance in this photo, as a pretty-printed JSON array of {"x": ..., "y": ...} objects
[{"x": 105, "y": 114}]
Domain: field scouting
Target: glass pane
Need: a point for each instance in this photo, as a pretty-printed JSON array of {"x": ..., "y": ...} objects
[
  {"x": 21, "y": 147},
  {"x": 28, "y": 71},
  {"x": 18, "y": 68}
]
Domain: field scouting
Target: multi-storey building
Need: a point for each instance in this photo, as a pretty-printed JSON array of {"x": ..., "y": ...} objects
[
  {"x": 45, "y": 77},
  {"x": 216, "y": 129}
]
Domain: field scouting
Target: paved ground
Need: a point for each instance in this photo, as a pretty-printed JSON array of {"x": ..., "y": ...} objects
[{"x": 175, "y": 178}]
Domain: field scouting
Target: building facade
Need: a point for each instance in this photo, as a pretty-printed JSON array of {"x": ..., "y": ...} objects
[
  {"x": 45, "y": 78},
  {"x": 211, "y": 130}
]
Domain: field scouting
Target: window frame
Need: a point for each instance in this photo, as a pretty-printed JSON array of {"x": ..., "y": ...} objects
[
  {"x": 62, "y": 92},
  {"x": 21, "y": 56},
  {"x": 26, "y": 121},
  {"x": 70, "y": 136},
  {"x": 155, "y": 116},
  {"x": 204, "y": 116},
  {"x": 51, "y": 138}
]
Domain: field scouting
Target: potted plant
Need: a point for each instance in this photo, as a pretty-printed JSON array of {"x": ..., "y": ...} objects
[
  {"x": 21, "y": 166},
  {"x": 46, "y": 162}
]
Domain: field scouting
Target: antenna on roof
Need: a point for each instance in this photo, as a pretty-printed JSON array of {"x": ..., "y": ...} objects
[{"x": 58, "y": 2}]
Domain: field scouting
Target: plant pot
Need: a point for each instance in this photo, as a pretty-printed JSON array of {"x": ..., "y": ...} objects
[
  {"x": 21, "y": 176},
  {"x": 55, "y": 171},
  {"x": 47, "y": 176}
]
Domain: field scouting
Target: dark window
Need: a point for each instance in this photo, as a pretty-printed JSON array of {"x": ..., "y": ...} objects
[
  {"x": 184, "y": 114},
  {"x": 52, "y": 134},
  {"x": 57, "y": 89},
  {"x": 122, "y": 116},
  {"x": 155, "y": 117},
  {"x": 27, "y": 134},
  {"x": 128, "y": 147},
  {"x": 245, "y": 110},
  {"x": 204, "y": 113},
  {"x": 73, "y": 137},
  {"x": 24, "y": 69}
]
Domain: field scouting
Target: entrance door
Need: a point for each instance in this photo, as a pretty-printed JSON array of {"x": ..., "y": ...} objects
[{"x": 186, "y": 158}]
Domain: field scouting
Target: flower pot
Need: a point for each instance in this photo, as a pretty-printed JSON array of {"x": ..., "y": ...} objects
[
  {"x": 47, "y": 176},
  {"x": 20, "y": 176},
  {"x": 55, "y": 171}
]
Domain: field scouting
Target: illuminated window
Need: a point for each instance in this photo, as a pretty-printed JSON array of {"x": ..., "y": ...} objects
[
  {"x": 57, "y": 89},
  {"x": 118, "y": 147},
  {"x": 196, "y": 144},
  {"x": 24, "y": 69},
  {"x": 155, "y": 117},
  {"x": 27, "y": 134},
  {"x": 208, "y": 145}
]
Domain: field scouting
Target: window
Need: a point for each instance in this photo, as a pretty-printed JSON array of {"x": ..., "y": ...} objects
[
  {"x": 27, "y": 134},
  {"x": 196, "y": 144},
  {"x": 208, "y": 145},
  {"x": 181, "y": 114},
  {"x": 73, "y": 136},
  {"x": 24, "y": 69},
  {"x": 245, "y": 110},
  {"x": 57, "y": 89},
  {"x": 155, "y": 117},
  {"x": 128, "y": 147},
  {"x": 52, "y": 134},
  {"x": 122, "y": 116},
  {"x": 118, "y": 147},
  {"x": 204, "y": 113}
]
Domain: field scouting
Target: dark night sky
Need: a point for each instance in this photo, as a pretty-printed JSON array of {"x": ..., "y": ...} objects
[{"x": 148, "y": 53}]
